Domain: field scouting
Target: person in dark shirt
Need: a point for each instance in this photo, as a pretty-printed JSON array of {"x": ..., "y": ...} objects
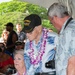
[
  {"x": 12, "y": 37},
  {"x": 6, "y": 61},
  {"x": 20, "y": 33}
]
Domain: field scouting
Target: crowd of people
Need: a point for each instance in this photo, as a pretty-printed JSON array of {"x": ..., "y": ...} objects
[
  {"x": 36, "y": 50},
  {"x": 9, "y": 42}
]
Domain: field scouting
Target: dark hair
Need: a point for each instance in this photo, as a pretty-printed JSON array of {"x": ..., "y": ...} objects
[
  {"x": 0, "y": 50},
  {"x": 9, "y": 24},
  {"x": 2, "y": 47}
]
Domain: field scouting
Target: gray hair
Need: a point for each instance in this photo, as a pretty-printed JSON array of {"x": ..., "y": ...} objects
[
  {"x": 57, "y": 9},
  {"x": 21, "y": 51}
]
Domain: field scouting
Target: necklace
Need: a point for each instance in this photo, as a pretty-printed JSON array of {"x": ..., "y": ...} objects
[{"x": 36, "y": 59}]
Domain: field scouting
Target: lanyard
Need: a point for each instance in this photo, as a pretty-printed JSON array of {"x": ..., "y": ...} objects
[{"x": 68, "y": 22}]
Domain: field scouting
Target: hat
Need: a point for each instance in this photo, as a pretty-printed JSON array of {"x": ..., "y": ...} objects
[
  {"x": 9, "y": 24},
  {"x": 30, "y": 22},
  {"x": 18, "y": 43}
]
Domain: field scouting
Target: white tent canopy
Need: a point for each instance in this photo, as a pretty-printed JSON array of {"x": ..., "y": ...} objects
[
  {"x": 43, "y": 3},
  {"x": 46, "y": 3}
]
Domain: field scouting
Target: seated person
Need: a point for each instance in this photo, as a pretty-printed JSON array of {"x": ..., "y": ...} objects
[
  {"x": 6, "y": 60},
  {"x": 4, "y": 36},
  {"x": 2, "y": 45},
  {"x": 19, "y": 45},
  {"x": 19, "y": 62}
]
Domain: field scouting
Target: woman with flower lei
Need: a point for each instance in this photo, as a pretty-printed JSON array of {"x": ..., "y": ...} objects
[{"x": 39, "y": 47}]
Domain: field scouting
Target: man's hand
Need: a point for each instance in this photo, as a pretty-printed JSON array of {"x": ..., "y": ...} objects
[{"x": 71, "y": 66}]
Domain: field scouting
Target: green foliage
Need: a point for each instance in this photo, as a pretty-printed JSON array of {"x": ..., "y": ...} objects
[
  {"x": 15, "y": 0},
  {"x": 14, "y": 17},
  {"x": 47, "y": 24},
  {"x": 31, "y": 8},
  {"x": 15, "y": 11},
  {"x": 12, "y": 6},
  {"x": 17, "y": 6}
]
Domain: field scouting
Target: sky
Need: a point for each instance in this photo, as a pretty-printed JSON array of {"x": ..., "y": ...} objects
[{"x": 4, "y": 1}]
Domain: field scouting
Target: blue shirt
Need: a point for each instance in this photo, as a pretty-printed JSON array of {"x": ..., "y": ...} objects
[
  {"x": 65, "y": 48},
  {"x": 51, "y": 42}
]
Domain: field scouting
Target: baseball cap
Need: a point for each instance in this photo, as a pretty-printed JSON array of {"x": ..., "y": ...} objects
[
  {"x": 18, "y": 43},
  {"x": 9, "y": 24},
  {"x": 30, "y": 22}
]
